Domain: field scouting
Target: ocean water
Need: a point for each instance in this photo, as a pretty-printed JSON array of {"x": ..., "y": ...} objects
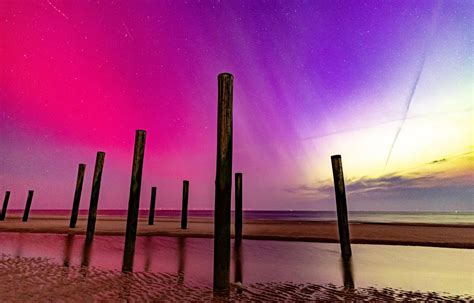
[{"x": 356, "y": 216}]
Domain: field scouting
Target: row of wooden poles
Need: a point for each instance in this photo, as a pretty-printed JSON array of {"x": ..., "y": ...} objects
[{"x": 223, "y": 186}]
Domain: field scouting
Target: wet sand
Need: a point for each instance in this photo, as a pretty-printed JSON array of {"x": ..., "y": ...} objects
[
  {"x": 453, "y": 236},
  {"x": 58, "y": 267},
  {"x": 26, "y": 279}
]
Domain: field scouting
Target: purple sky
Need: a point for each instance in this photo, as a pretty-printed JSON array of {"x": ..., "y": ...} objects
[{"x": 312, "y": 79}]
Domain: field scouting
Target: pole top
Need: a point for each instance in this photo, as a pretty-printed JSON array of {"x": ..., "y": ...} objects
[
  {"x": 225, "y": 75},
  {"x": 101, "y": 153},
  {"x": 140, "y": 131},
  {"x": 30, "y": 191},
  {"x": 185, "y": 181},
  {"x": 238, "y": 174},
  {"x": 336, "y": 157}
]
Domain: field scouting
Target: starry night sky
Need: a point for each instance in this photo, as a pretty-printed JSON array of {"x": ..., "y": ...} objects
[{"x": 386, "y": 84}]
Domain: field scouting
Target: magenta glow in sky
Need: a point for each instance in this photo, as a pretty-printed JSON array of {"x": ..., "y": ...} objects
[{"x": 312, "y": 78}]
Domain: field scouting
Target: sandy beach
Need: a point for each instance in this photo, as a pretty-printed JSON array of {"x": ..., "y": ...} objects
[{"x": 453, "y": 236}]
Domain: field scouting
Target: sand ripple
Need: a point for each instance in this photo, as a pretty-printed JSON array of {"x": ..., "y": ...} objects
[{"x": 38, "y": 279}]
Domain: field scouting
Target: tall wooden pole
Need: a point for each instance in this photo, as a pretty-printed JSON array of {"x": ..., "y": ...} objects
[
  {"x": 99, "y": 165},
  {"x": 223, "y": 182},
  {"x": 151, "y": 215},
  {"x": 5, "y": 205},
  {"x": 77, "y": 195},
  {"x": 28, "y": 205},
  {"x": 341, "y": 204},
  {"x": 134, "y": 201},
  {"x": 238, "y": 208},
  {"x": 184, "y": 208}
]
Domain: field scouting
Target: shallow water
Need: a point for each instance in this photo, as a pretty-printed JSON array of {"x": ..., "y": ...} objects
[{"x": 424, "y": 269}]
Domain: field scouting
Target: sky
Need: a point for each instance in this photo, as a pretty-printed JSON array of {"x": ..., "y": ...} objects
[{"x": 388, "y": 85}]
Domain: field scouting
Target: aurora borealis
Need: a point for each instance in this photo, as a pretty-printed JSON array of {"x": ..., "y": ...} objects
[{"x": 312, "y": 79}]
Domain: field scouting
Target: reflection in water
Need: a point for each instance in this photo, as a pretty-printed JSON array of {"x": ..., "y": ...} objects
[
  {"x": 86, "y": 252},
  {"x": 181, "y": 259},
  {"x": 238, "y": 260},
  {"x": 347, "y": 273},
  {"x": 19, "y": 247},
  {"x": 148, "y": 249},
  {"x": 68, "y": 249},
  {"x": 260, "y": 261}
]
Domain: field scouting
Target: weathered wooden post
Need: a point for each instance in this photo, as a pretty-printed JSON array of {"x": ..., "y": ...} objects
[
  {"x": 341, "y": 205},
  {"x": 5, "y": 205},
  {"x": 184, "y": 206},
  {"x": 99, "y": 165},
  {"x": 28, "y": 205},
  {"x": 223, "y": 182},
  {"x": 134, "y": 201},
  {"x": 77, "y": 195},
  {"x": 151, "y": 215},
  {"x": 238, "y": 208}
]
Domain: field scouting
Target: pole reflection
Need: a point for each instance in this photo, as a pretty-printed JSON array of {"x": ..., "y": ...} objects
[
  {"x": 68, "y": 249},
  {"x": 238, "y": 263},
  {"x": 181, "y": 259},
  {"x": 347, "y": 276},
  {"x": 148, "y": 249}
]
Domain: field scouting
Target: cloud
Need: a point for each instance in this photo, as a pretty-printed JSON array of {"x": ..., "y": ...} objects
[{"x": 398, "y": 186}]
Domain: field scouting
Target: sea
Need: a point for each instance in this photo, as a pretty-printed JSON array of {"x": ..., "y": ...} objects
[{"x": 448, "y": 218}]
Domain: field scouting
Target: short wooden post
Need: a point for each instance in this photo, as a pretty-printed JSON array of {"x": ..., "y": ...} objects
[
  {"x": 134, "y": 201},
  {"x": 77, "y": 195},
  {"x": 99, "y": 165},
  {"x": 151, "y": 215},
  {"x": 28, "y": 206},
  {"x": 184, "y": 206},
  {"x": 5, "y": 205},
  {"x": 238, "y": 208},
  {"x": 342, "y": 220},
  {"x": 223, "y": 183}
]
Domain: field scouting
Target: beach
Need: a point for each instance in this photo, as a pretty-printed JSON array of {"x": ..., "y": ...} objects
[
  {"x": 45, "y": 260},
  {"x": 417, "y": 234},
  {"x": 56, "y": 267}
]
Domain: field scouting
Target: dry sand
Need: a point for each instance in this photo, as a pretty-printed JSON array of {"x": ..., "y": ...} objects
[
  {"x": 454, "y": 236},
  {"x": 25, "y": 279}
]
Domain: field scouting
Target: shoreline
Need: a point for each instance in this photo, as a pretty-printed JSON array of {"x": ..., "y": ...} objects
[{"x": 406, "y": 234}]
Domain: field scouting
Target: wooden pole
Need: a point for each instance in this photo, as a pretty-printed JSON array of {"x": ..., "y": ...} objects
[
  {"x": 184, "y": 207},
  {"x": 238, "y": 208},
  {"x": 223, "y": 183},
  {"x": 5, "y": 205},
  {"x": 28, "y": 206},
  {"x": 99, "y": 165},
  {"x": 151, "y": 215},
  {"x": 134, "y": 200},
  {"x": 77, "y": 195},
  {"x": 341, "y": 204}
]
